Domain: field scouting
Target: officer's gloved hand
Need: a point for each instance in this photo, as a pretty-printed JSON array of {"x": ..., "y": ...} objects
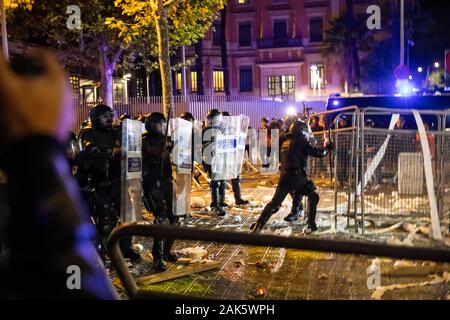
[{"x": 329, "y": 146}]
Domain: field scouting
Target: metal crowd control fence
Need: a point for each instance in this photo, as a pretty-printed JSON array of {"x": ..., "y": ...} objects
[
  {"x": 378, "y": 171},
  {"x": 305, "y": 243}
]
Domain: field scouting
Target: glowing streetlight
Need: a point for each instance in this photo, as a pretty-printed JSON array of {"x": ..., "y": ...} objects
[
  {"x": 420, "y": 69},
  {"x": 290, "y": 111},
  {"x": 436, "y": 65}
]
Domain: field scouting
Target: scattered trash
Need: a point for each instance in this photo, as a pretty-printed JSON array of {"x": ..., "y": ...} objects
[
  {"x": 138, "y": 247},
  {"x": 198, "y": 202},
  {"x": 323, "y": 276},
  {"x": 239, "y": 263},
  {"x": 260, "y": 292},
  {"x": 254, "y": 204},
  {"x": 195, "y": 253},
  {"x": 380, "y": 291},
  {"x": 262, "y": 265},
  {"x": 237, "y": 219}
]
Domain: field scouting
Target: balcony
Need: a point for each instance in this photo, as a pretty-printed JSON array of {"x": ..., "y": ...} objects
[{"x": 279, "y": 43}]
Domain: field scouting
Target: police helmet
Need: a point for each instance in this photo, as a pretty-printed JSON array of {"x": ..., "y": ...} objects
[
  {"x": 153, "y": 120},
  {"x": 96, "y": 112},
  {"x": 212, "y": 113},
  {"x": 187, "y": 116},
  {"x": 214, "y": 117},
  {"x": 299, "y": 128},
  {"x": 124, "y": 116}
]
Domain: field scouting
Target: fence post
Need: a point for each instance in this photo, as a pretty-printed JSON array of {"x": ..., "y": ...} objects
[{"x": 361, "y": 122}]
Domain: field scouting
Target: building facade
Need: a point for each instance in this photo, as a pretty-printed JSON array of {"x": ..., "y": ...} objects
[{"x": 274, "y": 49}]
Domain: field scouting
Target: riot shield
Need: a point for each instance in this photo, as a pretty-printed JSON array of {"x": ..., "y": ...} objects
[
  {"x": 241, "y": 141},
  {"x": 131, "y": 173},
  {"x": 226, "y": 161},
  {"x": 181, "y": 133},
  {"x": 269, "y": 151}
]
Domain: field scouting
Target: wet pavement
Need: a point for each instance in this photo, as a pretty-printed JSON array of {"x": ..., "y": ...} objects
[{"x": 247, "y": 272}]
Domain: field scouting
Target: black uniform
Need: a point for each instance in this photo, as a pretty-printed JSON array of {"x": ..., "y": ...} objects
[
  {"x": 158, "y": 189},
  {"x": 98, "y": 174},
  {"x": 295, "y": 150}
]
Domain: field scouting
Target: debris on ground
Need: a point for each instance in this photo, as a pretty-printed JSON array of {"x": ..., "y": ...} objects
[
  {"x": 435, "y": 279},
  {"x": 260, "y": 292},
  {"x": 323, "y": 276},
  {"x": 198, "y": 202},
  {"x": 262, "y": 265},
  {"x": 195, "y": 253},
  {"x": 138, "y": 247}
]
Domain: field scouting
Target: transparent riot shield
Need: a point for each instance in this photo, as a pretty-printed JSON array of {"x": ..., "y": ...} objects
[
  {"x": 131, "y": 174},
  {"x": 269, "y": 151},
  {"x": 181, "y": 133},
  {"x": 225, "y": 161},
  {"x": 241, "y": 141}
]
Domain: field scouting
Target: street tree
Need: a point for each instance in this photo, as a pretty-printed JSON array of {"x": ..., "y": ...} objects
[
  {"x": 46, "y": 24},
  {"x": 174, "y": 22}
]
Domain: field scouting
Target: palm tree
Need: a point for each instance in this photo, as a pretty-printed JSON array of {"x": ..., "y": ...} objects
[{"x": 344, "y": 38}]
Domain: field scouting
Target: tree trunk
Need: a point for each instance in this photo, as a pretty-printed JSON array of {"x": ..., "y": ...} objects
[
  {"x": 164, "y": 58},
  {"x": 223, "y": 49},
  {"x": 106, "y": 71},
  {"x": 199, "y": 67}
]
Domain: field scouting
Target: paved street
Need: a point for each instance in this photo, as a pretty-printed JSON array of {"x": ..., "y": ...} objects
[{"x": 293, "y": 274}]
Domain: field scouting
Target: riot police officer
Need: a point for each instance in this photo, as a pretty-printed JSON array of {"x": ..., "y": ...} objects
[
  {"x": 214, "y": 119},
  {"x": 157, "y": 184},
  {"x": 98, "y": 174},
  {"x": 293, "y": 178}
]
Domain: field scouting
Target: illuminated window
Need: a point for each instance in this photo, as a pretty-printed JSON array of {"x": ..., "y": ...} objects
[
  {"x": 316, "y": 76},
  {"x": 75, "y": 85},
  {"x": 281, "y": 85},
  {"x": 118, "y": 91},
  {"x": 193, "y": 81},
  {"x": 219, "y": 85},
  {"x": 244, "y": 1},
  {"x": 179, "y": 83},
  {"x": 140, "y": 82}
]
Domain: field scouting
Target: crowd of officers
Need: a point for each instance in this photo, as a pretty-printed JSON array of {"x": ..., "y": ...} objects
[{"x": 97, "y": 168}]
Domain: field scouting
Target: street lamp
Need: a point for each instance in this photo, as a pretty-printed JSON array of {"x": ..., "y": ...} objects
[
  {"x": 420, "y": 69},
  {"x": 436, "y": 65}
]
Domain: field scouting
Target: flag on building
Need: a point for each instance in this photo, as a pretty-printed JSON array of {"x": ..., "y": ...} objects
[
  {"x": 294, "y": 26},
  {"x": 261, "y": 26}
]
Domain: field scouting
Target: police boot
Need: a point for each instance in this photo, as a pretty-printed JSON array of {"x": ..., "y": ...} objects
[
  {"x": 214, "y": 194},
  {"x": 128, "y": 251},
  {"x": 169, "y": 256},
  {"x": 268, "y": 211},
  {"x": 158, "y": 262},
  {"x": 296, "y": 210},
  {"x": 236, "y": 185},
  {"x": 313, "y": 200},
  {"x": 222, "y": 188}
]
